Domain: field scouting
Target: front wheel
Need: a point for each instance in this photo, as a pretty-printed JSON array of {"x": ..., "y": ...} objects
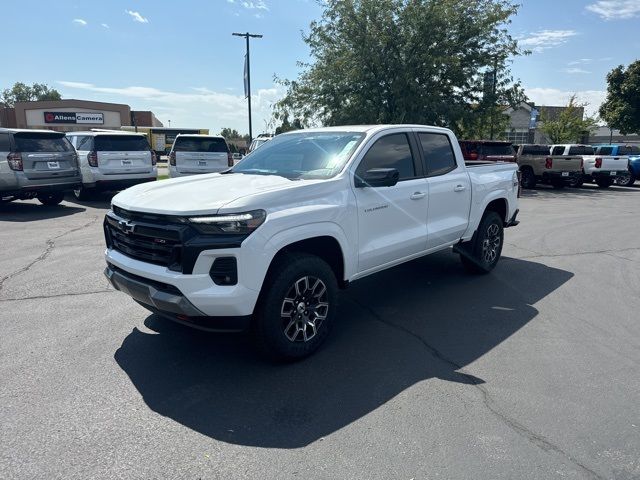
[
  {"x": 604, "y": 182},
  {"x": 626, "y": 180},
  {"x": 481, "y": 254},
  {"x": 296, "y": 308},
  {"x": 50, "y": 199}
]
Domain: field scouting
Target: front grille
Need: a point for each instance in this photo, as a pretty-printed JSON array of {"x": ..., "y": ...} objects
[{"x": 148, "y": 242}]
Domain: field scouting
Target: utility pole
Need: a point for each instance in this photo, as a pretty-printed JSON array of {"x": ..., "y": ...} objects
[
  {"x": 493, "y": 94},
  {"x": 247, "y": 75}
]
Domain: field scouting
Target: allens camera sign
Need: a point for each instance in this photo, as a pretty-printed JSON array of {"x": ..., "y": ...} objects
[{"x": 74, "y": 117}]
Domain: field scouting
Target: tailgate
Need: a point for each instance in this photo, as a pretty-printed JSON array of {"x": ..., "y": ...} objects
[
  {"x": 566, "y": 164},
  {"x": 44, "y": 165},
  {"x": 118, "y": 163},
  {"x": 619, "y": 164},
  {"x": 201, "y": 162}
]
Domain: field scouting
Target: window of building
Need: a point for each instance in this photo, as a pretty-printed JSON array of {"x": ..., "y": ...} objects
[{"x": 517, "y": 137}]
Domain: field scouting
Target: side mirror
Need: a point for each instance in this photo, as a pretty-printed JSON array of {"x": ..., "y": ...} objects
[{"x": 378, "y": 177}]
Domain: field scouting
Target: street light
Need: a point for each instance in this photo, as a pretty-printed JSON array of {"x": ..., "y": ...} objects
[{"x": 247, "y": 75}]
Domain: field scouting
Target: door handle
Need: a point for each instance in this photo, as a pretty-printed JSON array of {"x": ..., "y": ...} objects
[
  {"x": 418, "y": 195},
  {"x": 459, "y": 188}
]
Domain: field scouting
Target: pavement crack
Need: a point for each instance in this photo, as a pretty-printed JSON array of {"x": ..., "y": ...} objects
[
  {"x": 72, "y": 294},
  {"x": 536, "y": 439},
  {"x": 594, "y": 252},
  {"x": 50, "y": 245}
]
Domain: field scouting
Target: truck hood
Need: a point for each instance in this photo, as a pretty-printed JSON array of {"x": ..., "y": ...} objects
[{"x": 197, "y": 195}]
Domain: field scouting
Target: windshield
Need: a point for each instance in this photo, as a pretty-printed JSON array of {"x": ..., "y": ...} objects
[
  {"x": 121, "y": 143},
  {"x": 303, "y": 155},
  {"x": 200, "y": 144},
  {"x": 42, "y": 142}
]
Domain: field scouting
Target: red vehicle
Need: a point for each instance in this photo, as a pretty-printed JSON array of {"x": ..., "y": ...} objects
[{"x": 488, "y": 150}]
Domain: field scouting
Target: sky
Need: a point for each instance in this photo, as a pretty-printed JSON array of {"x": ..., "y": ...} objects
[{"x": 179, "y": 59}]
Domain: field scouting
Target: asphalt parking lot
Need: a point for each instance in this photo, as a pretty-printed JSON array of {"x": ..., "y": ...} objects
[{"x": 530, "y": 372}]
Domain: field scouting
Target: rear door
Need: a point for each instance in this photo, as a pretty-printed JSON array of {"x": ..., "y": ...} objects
[
  {"x": 122, "y": 154},
  {"x": 45, "y": 155},
  {"x": 201, "y": 154},
  {"x": 449, "y": 189}
]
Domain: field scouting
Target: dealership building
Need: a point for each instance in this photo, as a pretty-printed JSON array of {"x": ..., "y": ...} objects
[{"x": 73, "y": 115}]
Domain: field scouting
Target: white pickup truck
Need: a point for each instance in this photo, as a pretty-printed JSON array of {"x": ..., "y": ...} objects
[
  {"x": 599, "y": 168},
  {"x": 267, "y": 244}
]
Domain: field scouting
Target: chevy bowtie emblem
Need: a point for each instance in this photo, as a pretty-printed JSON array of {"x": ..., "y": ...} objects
[{"x": 126, "y": 227}]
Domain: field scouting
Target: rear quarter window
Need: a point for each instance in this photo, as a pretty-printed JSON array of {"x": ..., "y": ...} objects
[
  {"x": 42, "y": 142},
  {"x": 5, "y": 146},
  {"x": 216, "y": 145},
  {"x": 121, "y": 143}
]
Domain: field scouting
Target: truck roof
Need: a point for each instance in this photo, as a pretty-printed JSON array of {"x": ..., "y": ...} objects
[{"x": 366, "y": 128}]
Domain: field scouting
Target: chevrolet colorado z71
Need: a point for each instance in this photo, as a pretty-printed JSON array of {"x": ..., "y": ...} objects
[{"x": 267, "y": 244}]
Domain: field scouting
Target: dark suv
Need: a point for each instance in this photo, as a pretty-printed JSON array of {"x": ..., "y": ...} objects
[
  {"x": 38, "y": 164},
  {"x": 488, "y": 150}
]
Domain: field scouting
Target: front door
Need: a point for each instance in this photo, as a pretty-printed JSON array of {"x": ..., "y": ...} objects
[{"x": 391, "y": 220}]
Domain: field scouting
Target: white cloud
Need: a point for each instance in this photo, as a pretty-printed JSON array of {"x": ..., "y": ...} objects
[
  {"x": 137, "y": 17},
  {"x": 104, "y": 25},
  {"x": 556, "y": 97},
  {"x": 615, "y": 9},
  {"x": 545, "y": 39},
  {"x": 80, "y": 21},
  {"x": 574, "y": 70},
  {"x": 196, "y": 108},
  {"x": 257, "y": 5}
]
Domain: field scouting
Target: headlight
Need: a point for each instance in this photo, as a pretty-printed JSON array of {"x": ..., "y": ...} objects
[{"x": 230, "y": 224}]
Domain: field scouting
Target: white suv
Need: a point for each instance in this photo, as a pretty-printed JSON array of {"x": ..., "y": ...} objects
[
  {"x": 194, "y": 154},
  {"x": 112, "y": 160}
]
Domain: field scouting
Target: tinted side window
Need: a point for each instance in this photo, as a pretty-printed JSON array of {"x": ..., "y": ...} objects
[
  {"x": 438, "y": 154},
  {"x": 84, "y": 143},
  {"x": 392, "y": 151},
  {"x": 557, "y": 151},
  {"x": 4, "y": 142}
]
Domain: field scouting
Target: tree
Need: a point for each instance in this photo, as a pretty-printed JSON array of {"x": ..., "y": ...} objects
[
  {"x": 621, "y": 109},
  {"x": 398, "y": 61},
  {"x": 569, "y": 126},
  {"x": 287, "y": 126},
  {"x": 21, "y": 92},
  {"x": 229, "y": 133}
]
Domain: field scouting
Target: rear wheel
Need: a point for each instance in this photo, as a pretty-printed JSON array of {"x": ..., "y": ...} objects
[
  {"x": 528, "y": 179},
  {"x": 604, "y": 182},
  {"x": 83, "y": 193},
  {"x": 557, "y": 184},
  {"x": 481, "y": 254},
  {"x": 50, "y": 199},
  {"x": 296, "y": 308},
  {"x": 626, "y": 180},
  {"x": 576, "y": 182}
]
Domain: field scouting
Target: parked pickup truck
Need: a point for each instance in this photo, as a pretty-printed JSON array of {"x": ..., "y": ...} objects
[
  {"x": 538, "y": 165},
  {"x": 266, "y": 244},
  {"x": 628, "y": 178},
  {"x": 604, "y": 169}
]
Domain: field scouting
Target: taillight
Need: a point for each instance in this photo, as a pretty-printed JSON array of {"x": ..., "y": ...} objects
[
  {"x": 172, "y": 159},
  {"x": 473, "y": 156},
  {"x": 598, "y": 162},
  {"x": 154, "y": 158},
  {"x": 548, "y": 163},
  {"x": 92, "y": 158},
  {"x": 229, "y": 159},
  {"x": 15, "y": 161}
]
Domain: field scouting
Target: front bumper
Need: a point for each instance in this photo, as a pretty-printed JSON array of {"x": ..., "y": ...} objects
[{"x": 168, "y": 301}]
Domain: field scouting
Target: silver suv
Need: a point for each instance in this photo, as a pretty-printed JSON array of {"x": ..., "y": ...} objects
[
  {"x": 112, "y": 160},
  {"x": 38, "y": 164}
]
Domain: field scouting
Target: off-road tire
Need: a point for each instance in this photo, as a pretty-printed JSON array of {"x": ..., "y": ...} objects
[{"x": 481, "y": 254}]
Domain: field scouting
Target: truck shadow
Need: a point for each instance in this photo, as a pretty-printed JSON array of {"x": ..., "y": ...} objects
[
  {"x": 30, "y": 211},
  {"x": 422, "y": 320},
  {"x": 586, "y": 191}
]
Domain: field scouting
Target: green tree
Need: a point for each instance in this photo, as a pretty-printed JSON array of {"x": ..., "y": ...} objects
[
  {"x": 569, "y": 125},
  {"x": 399, "y": 61},
  {"x": 621, "y": 108},
  {"x": 21, "y": 92},
  {"x": 287, "y": 126},
  {"x": 229, "y": 133}
]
